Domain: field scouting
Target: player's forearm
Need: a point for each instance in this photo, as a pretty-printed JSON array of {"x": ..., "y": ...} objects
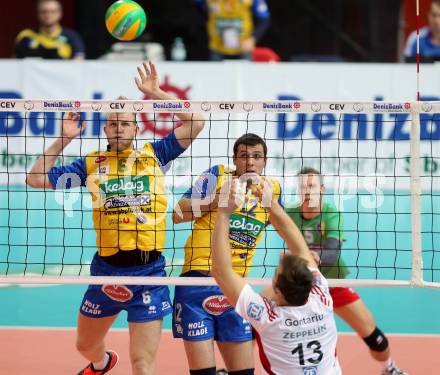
[
  {"x": 230, "y": 283},
  {"x": 37, "y": 176},
  {"x": 191, "y": 209},
  {"x": 330, "y": 252},
  {"x": 221, "y": 254},
  {"x": 192, "y": 123},
  {"x": 185, "y": 117}
]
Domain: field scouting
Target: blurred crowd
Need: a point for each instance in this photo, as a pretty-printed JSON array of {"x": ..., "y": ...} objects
[{"x": 234, "y": 29}]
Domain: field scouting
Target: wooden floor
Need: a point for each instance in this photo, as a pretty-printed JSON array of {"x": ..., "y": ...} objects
[{"x": 52, "y": 352}]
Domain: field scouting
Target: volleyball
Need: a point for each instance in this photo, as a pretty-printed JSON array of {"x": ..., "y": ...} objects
[{"x": 125, "y": 20}]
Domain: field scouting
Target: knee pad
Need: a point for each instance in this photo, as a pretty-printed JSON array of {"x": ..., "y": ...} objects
[
  {"x": 377, "y": 341},
  {"x": 203, "y": 371},
  {"x": 248, "y": 371}
]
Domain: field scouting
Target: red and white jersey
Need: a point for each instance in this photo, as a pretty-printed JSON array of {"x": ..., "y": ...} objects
[{"x": 294, "y": 340}]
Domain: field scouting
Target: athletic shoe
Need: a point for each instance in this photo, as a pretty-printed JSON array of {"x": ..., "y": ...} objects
[
  {"x": 394, "y": 371},
  {"x": 90, "y": 370}
]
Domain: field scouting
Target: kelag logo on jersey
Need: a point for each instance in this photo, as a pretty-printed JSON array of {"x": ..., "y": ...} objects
[
  {"x": 245, "y": 224},
  {"x": 131, "y": 184}
]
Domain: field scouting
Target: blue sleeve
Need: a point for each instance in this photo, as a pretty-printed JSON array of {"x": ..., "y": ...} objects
[
  {"x": 260, "y": 9},
  {"x": 59, "y": 179},
  {"x": 167, "y": 149},
  {"x": 75, "y": 40},
  {"x": 205, "y": 184}
]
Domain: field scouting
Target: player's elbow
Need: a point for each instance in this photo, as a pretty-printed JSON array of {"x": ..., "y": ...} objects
[
  {"x": 197, "y": 126},
  {"x": 33, "y": 180},
  {"x": 221, "y": 277},
  {"x": 218, "y": 272},
  {"x": 179, "y": 212},
  {"x": 177, "y": 217}
]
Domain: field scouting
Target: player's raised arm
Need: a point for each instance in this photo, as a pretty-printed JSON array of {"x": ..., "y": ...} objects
[
  {"x": 290, "y": 233},
  {"x": 231, "y": 197},
  {"x": 192, "y": 123},
  {"x": 38, "y": 177},
  {"x": 283, "y": 224}
]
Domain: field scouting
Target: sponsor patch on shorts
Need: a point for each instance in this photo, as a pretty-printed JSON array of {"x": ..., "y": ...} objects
[
  {"x": 216, "y": 305},
  {"x": 118, "y": 293}
]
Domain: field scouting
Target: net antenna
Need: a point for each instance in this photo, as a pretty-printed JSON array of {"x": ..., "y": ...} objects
[
  {"x": 418, "y": 49},
  {"x": 364, "y": 164}
]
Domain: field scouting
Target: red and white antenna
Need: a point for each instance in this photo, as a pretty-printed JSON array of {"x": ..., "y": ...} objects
[{"x": 418, "y": 48}]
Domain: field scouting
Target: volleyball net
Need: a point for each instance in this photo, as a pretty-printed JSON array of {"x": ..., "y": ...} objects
[{"x": 380, "y": 162}]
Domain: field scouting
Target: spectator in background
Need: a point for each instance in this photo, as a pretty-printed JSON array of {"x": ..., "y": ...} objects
[
  {"x": 429, "y": 37},
  {"x": 50, "y": 40},
  {"x": 234, "y": 26}
]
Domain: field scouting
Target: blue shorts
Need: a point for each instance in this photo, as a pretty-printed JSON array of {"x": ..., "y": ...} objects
[
  {"x": 203, "y": 313},
  {"x": 143, "y": 303}
]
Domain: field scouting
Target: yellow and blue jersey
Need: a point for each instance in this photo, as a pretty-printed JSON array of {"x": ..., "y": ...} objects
[
  {"x": 128, "y": 193},
  {"x": 232, "y": 19},
  {"x": 62, "y": 44},
  {"x": 246, "y": 224}
]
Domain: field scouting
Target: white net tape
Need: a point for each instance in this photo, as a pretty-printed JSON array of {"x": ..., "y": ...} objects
[{"x": 379, "y": 161}]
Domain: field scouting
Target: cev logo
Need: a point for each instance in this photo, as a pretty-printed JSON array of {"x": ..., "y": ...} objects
[{"x": 47, "y": 123}]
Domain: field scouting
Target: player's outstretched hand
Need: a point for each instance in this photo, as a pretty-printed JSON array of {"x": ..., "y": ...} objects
[
  {"x": 148, "y": 79},
  {"x": 232, "y": 195},
  {"x": 264, "y": 192},
  {"x": 71, "y": 126}
]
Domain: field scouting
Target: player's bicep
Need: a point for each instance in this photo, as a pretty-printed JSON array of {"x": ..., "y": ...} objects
[
  {"x": 167, "y": 149},
  {"x": 68, "y": 176}
]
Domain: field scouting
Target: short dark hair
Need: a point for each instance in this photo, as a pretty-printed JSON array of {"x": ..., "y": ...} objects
[
  {"x": 294, "y": 280},
  {"x": 250, "y": 139},
  {"x": 310, "y": 170}
]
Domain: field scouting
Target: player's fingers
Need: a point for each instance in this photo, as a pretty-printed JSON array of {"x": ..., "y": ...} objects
[
  {"x": 153, "y": 69},
  {"x": 74, "y": 116},
  {"x": 147, "y": 71},
  {"x": 257, "y": 191},
  {"x": 141, "y": 73},
  {"x": 138, "y": 84},
  {"x": 70, "y": 115}
]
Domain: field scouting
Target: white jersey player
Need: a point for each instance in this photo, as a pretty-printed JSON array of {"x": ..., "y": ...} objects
[
  {"x": 293, "y": 339},
  {"x": 293, "y": 320}
]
